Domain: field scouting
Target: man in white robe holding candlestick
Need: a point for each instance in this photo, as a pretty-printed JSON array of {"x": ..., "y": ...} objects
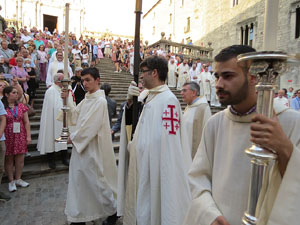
[
  {"x": 219, "y": 175},
  {"x": 93, "y": 172},
  {"x": 50, "y": 128}
]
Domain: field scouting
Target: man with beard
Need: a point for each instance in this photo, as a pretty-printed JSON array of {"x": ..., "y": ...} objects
[{"x": 220, "y": 173}]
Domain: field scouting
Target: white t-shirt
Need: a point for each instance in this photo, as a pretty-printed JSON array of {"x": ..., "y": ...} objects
[
  {"x": 77, "y": 53},
  {"x": 25, "y": 39},
  {"x": 282, "y": 101},
  {"x": 85, "y": 58}
]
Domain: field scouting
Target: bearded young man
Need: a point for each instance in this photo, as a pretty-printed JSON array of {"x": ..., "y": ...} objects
[{"x": 220, "y": 173}]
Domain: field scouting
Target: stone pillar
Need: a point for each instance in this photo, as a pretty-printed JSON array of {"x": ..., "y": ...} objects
[
  {"x": 36, "y": 14},
  {"x": 41, "y": 18}
]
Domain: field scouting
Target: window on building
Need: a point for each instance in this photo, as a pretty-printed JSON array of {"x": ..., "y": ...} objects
[
  {"x": 251, "y": 33},
  {"x": 247, "y": 34},
  {"x": 235, "y": 2},
  {"x": 242, "y": 35},
  {"x": 187, "y": 28},
  {"x": 153, "y": 32},
  {"x": 297, "y": 32},
  {"x": 154, "y": 15},
  {"x": 170, "y": 20}
]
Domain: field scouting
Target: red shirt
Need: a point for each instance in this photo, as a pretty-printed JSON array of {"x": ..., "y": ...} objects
[{"x": 13, "y": 62}]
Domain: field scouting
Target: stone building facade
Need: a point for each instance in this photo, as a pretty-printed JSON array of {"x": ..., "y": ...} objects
[
  {"x": 45, "y": 13},
  {"x": 223, "y": 23}
]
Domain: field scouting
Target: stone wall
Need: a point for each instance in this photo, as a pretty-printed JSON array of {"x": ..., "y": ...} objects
[
  {"x": 220, "y": 23},
  {"x": 30, "y": 13}
]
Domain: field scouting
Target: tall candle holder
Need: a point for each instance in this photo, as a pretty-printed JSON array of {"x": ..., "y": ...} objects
[
  {"x": 65, "y": 82},
  {"x": 63, "y": 138},
  {"x": 266, "y": 66}
]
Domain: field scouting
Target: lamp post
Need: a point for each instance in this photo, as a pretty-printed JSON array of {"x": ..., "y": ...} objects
[
  {"x": 138, "y": 12},
  {"x": 65, "y": 82}
]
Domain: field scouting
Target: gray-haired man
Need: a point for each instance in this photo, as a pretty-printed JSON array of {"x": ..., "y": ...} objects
[{"x": 196, "y": 113}]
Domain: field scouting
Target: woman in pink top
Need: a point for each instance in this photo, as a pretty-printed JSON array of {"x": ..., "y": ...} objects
[
  {"x": 20, "y": 73},
  {"x": 17, "y": 133},
  {"x": 43, "y": 62}
]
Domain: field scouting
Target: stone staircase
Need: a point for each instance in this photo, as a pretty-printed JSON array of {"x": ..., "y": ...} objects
[{"x": 36, "y": 164}]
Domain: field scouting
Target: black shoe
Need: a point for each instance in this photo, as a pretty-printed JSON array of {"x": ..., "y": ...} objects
[
  {"x": 4, "y": 197},
  {"x": 111, "y": 220},
  {"x": 81, "y": 223},
  {"x": 51, "y": 160},
  {"x": 64, "y": 157}
]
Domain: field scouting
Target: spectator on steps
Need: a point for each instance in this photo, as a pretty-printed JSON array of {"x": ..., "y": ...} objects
[
  {"x": 77, "y": 86},
  {"x": 111, "y": 104},
  {"x": 3, "y": 196},
  {"x": 18, "y": 136}
]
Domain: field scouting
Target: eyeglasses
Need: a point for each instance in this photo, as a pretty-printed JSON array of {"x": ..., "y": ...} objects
[{"x": 145, "y": 71}]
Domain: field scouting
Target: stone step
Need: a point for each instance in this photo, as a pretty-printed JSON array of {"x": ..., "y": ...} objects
[
  {"x": 40, "y": 168},
  {"x": 36, "y": 164}
]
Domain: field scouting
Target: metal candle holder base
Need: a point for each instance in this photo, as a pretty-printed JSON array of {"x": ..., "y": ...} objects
[
  {"x": 266, "y": 66},
  {"x": 65, "y": 130}
]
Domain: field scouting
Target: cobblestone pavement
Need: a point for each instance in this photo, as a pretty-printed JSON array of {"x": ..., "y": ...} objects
[{"x": 42, "y": 203}]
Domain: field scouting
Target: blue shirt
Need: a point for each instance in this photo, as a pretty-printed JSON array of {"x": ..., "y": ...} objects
[
  {"x": 295, "y": 103},
  {"x": 95, "y": 48},
  {"x": 2, "y": 112}
]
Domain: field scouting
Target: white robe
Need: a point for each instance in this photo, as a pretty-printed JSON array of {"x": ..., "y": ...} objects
[
  {"x": 93, "y": 172},
  {"x": 206, "y": 85},
  {"x": 172, "y": 75},
  {"x": 213, "y": 97},
  {"x": 52, "y": 70},
  {"x": 194, "y": 73},
  {"x": 283, "y": 101},
  {"x": 131, "y": 62},
  {"x": 153, "y": 188},
  {"x": 220, "y": 173},
  {"x": 183, "y": 75},
  {"x": 195, "y": 117},
  {"x": 50, "y": 128}
]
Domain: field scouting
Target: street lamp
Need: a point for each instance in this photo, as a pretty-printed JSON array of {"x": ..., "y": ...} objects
[{"x": 138, "y": 12}]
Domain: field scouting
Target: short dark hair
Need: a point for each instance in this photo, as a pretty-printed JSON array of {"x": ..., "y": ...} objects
[
  {"x": 232, "y": 52},
  {"x": 106, "y": 87},
  {"x": 93, "y": 71},
  {"x": 193, "y": 86},
  {"x": 285, "y": 90},
  {"x": 159, "y": 63}
]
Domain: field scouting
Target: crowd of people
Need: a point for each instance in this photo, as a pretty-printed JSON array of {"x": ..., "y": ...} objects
[{"x": 172, "y": 166}]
